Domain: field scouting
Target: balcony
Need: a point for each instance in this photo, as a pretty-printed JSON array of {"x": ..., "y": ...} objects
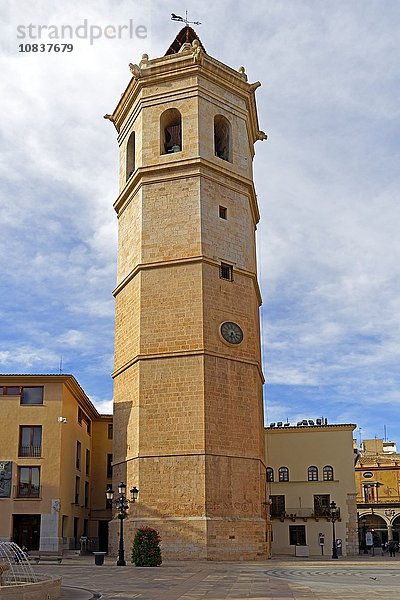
[
  {"x": 30, "y": 451},
  {"x": 378, "y": 503},
  {"x": 28, "y": 492},
  {"x": 324, "y": 511},
  {"x": 305, "y": 513}
]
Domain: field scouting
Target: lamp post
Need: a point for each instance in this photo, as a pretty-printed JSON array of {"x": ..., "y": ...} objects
[
  {"x": 122, "y": 505},
  {"x": 364, "y": 534},
  {"x": 334, "y": 515}
]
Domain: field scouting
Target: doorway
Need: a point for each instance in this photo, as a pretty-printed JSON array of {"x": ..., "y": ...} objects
[
  {"x": 26, "y": 531},
  {"x": 103, "y": 536}
]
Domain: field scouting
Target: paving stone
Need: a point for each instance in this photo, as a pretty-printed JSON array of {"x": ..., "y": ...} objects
[{"x": 351, "y": 580}]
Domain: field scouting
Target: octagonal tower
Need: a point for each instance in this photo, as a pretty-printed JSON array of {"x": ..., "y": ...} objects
[{"x": 188, "y": 409}]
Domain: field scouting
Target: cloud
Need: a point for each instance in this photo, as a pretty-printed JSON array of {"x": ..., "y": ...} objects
[
  {"x": 21, "y": 359},
  {"x": 72, "y": 338},
  {"x": 105, "y": 407},
  {"x": 327, "y": 182}
]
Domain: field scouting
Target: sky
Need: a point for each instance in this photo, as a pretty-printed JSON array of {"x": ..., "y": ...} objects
[{"x": 327, "y": 181}]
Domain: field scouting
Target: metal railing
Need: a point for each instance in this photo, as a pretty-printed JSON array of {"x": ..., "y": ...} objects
[
  {"x": 27, "y": 491},
  {"x": 380, "y": 500},
  {"x": 29, "y": 451},
  {"x": 304, "y": 513}
]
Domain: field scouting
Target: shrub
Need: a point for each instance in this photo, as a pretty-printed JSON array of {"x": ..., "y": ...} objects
[{"x": 146, "y": 551}]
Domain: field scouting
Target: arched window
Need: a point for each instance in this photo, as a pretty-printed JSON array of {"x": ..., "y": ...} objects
[
  {"x": 222, "y": 138},
  {"x": 312, "y": 473},
  {"x": 283, "y": 474},
  {"x": 328, "y": 473},
  {"x": 171, "y": 131},
  {"x": 270, "y": 474},
  {"x": 130, "y": 155}
]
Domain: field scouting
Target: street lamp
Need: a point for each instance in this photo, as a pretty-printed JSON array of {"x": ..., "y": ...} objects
[
  {"x": 122, "y": 505},
  {"x": 334, "y": 515},
  {"x": 364, "y": 534}
]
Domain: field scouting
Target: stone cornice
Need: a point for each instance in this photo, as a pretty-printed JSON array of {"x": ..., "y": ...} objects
[
  {"x": 182, "y": 65},
  {"x": 183, "y": 261},
  {"x": 187, "y": 354},
  {"x": 181, "y": 169},
  {"x": 187, "y": 454}
]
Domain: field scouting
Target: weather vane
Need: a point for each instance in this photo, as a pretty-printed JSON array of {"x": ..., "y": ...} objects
[{"x": 184, "y": 20}]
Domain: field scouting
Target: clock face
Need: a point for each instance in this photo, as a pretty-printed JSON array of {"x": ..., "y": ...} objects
[{"x": 231, "y": 332}]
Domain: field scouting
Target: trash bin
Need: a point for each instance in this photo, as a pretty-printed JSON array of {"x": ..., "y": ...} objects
[{"x": 99, "y": 558}]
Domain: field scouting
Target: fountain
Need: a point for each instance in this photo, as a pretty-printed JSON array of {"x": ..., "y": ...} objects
[{"x": 16, "y": 570}]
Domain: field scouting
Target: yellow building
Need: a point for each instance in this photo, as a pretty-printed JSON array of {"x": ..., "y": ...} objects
[
  {"x": 55, "y": 463},
  {"x": 378, "y": 492},
  {"x": 188, "y": 381},
  {"x": 309, "y": 466}
]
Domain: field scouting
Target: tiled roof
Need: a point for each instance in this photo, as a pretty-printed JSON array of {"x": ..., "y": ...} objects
[{"x": 186, "y": 35}]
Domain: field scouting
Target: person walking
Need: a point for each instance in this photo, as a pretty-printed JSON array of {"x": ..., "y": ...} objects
[{"x": 392, "y": 548}]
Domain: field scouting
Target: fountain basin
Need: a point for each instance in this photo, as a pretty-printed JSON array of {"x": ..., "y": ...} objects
[{"x": 45, "y": 588}]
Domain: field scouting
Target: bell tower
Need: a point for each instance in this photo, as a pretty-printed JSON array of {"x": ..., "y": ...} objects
[{"x": 188, "y": 409}]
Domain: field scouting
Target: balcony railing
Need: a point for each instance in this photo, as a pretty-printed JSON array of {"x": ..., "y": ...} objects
[
  {"x": 304, "y": 513},
  {"x": 324, "y": 511},
  {"x": 29, "y": 451},
  {"x": 27, "y": 491},
  {"x": 380, "y": 501}
]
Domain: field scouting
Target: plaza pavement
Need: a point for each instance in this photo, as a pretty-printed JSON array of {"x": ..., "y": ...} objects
[{"x": 278, "y": 578}]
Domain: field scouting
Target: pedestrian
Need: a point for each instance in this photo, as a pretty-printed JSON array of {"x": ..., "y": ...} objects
[{"x": 392, "y": 548}]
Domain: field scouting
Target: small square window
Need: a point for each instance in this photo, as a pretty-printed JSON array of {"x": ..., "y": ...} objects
[
  {"x": 32, "y": 395},
  {"x": 226, "y": 272},
  {"x": 223, "y": 212},
  {"x": 13, "y": 391}
]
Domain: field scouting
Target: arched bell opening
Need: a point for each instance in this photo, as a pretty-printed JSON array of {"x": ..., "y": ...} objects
[{"x": 171, "y": 131}]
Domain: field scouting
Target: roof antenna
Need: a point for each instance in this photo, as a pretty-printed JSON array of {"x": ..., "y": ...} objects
[
  {"x": 61, "y": 365},
  {"x": 184, "y": 20}
]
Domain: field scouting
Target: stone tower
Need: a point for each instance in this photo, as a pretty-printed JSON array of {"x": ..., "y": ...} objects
[{"x": 188, "y": 409}]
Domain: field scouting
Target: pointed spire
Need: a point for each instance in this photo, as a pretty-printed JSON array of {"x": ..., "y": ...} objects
[{"x": 185, "y": 36}]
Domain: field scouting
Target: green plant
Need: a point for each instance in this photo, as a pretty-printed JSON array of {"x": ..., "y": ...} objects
[{"x": 146, "y": 551}]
